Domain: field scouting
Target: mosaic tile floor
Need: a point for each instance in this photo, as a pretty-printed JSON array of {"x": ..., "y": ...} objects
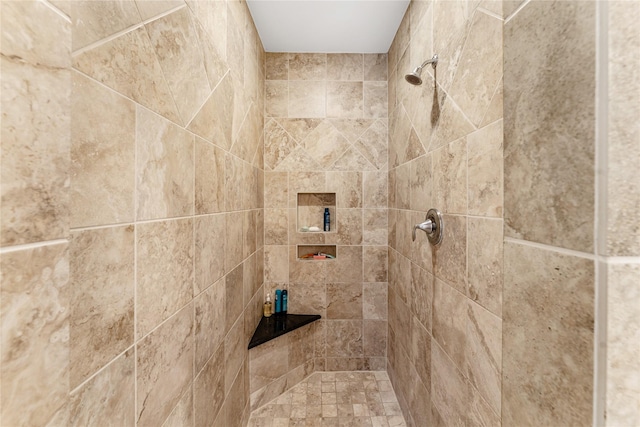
[{"x": 335, "y": 399}]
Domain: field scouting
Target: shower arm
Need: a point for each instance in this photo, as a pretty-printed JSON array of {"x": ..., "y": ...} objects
[{"x": 433, "y": 61}]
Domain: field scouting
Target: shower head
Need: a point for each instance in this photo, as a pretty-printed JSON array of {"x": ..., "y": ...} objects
[{"x": 414, "y": 76}]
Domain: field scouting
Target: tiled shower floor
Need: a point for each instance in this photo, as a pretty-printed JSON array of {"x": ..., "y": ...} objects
[{"x": 336, "y": 399}]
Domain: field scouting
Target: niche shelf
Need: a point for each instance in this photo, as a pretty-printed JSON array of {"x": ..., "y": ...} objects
[
  {"x": 310, "y": 210},
  {"x": 305, "y": 250}
]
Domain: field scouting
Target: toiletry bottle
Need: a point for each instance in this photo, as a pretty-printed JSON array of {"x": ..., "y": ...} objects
[
  {"x": 267, "y": 309},
  {"x": 278, "y": 301},
  {"x": 327, "y": 221},
  {"x": 285, "y": 297}
]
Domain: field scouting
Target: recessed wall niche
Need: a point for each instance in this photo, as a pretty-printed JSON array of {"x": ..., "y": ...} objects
[{"x": 311, "y": 208}]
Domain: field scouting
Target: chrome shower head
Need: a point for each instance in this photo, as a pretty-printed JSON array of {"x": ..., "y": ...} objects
[{"x": 414, "y": 76}]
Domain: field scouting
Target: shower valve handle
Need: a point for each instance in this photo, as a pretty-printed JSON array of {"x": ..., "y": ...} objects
[
  {"x": 432, "y": 226},
  {"x": 428, "y": 227}
]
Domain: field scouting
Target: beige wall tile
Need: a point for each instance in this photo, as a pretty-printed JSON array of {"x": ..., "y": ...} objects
[
  {"x": 449, "y": 390},
  {"x": 102, "y": 291},
  {"x": 209, "y": 178},
  {"x": 165, "y": 168},
  {"x": 136, "y": 73},
  {"x": 307, "y": 99},
  {"x": 375, "y": 189},
  {"x": 450, "y": 177},
  {"x": 102, "y": 155},
  {"x": 276, "y": 226},
  {"x": 374, "y": 226},
  {"x": 107, "y": 396},
  {"x": 235, "y": 44},
  {"x": 451, "y": 256},
  {"x": 307, "y": 66},
  {"x": 35, "y": 319},
  {"x": 276, "y": 189},
  {"x": 94, "y": 21},
  {"x": 420, "y": 353},
  {"x": 421, "y": 184},
  {"x": 209, "y": 323},
  {"x": 213, "y": 18},
  {"x": 480, "y": 67},
  {"x": 485, "y": 171},
  {"x": 164, "y": 368},
  {"x": 483, "y": 354},
  {"x": 325, "y": 145},
  {"x": 548, "y": 329},
  {"x": 623, "y": 348},
  {"x": 495, "y": 109},
  {"x": 422, "y": 285},
  {"x": 349, "y": 229},
  {"x": 344, "y": 300},
  {"x": 276, "y": 263},
  {"x": 214, "y": 59},
  {"x": 374, "y": 301},
  {"x": 277, "y": 66},
  {"x": 485, "y": 258},
  {"x": 208, "y": 389},
  {"x": 233, "y": 180},
  {"x": 182, "y": 414},
  {"x": 624, "y": 131},
  {"x": 234, "y": 353},
  {"x": 375, "y": 99},
  {"x": 375, "y": 67},
  {"x": 209, "y": 236},
  {"x": 555, "y": 161},
  {"x": 373, "y": 144},
  {"x": 345, "y": 66},
  {"x": 150, "y": 8},
  {"x": 345, "y": 99},
  {"x": 375, "y": 263},
  {"x": 450, "y": 321},
  {"x": 278, "y": 144},
  {"x": 348, "y": 188},
  {"x": 36, "y": 34},
  {"x": 268, "y": 362},
  {"x": 277, "y": 98},
  {"x": 214, "y": 122},
  {"x": 307, "y": 298},
  {"x": 164, "y": 278},
  {"x": 346, "y": 338},
  {"x": 35, "y": 144},
  {"x": 374, "y": 340},
  {"x": 234, "y": 283},
  {"x": 301, "y": 346},
  {"x": 248, "y": 138},
  {"x": 450, "y": 21}
]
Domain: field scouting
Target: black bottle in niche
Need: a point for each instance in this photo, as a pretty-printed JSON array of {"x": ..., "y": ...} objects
[{"x": 327, "y": 220}]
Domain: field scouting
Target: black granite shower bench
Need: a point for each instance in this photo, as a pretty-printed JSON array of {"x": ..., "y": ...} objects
[{"x": 279, "y": 324}]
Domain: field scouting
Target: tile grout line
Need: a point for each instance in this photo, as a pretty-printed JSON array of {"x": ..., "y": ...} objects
[
  {"x": 28, "y": 246},
  {"x": 124, "y": 31},
  {"x": 57, "y": 11}
]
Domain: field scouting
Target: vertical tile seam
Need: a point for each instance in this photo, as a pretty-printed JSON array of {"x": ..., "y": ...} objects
[
  {"x": 600, "y": 214},
  {"x": 135, "y": 263}
]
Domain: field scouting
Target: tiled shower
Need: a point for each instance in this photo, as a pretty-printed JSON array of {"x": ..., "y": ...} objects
[{"x": 154, "y": 161}]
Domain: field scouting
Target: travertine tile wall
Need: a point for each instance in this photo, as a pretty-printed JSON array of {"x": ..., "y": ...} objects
[
  {"x": 549, "y": 283},
  {"x": 619, "y": 239},
  {"x": 570, "y": 143},
  {"x": 132, "y": 243},
  {"x": 445, "y": 148},
  {"x": 326, "y": 132}
]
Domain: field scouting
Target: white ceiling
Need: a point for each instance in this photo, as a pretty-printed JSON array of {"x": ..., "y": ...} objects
[{"x": 329, "y": 26}]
